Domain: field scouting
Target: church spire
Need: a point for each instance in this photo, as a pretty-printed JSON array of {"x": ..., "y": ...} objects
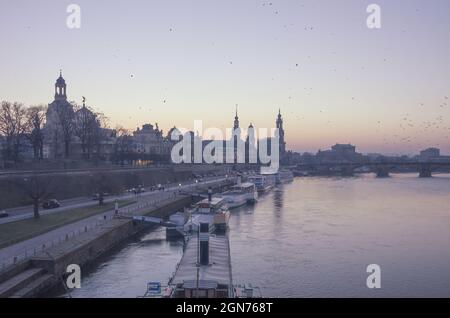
[
  {"x": 279, "y": 119},
  {"x": 236, "y": 119},
  {"x": 282, "y": 142}
]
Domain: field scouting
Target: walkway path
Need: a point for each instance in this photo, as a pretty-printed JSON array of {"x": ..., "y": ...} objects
[{"x": 27, "y": 248}]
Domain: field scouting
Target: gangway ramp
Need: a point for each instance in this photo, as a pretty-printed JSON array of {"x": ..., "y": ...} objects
[{"x": 152, "y": 220}]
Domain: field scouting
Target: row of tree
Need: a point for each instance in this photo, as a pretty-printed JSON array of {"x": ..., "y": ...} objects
[
  {"x": 21, "y": 125},
  {"x": 37, "y": 188},
  {"x": 90, "y": 127}
]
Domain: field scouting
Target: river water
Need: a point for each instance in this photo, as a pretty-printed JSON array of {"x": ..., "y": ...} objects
[{"x": 314, "y": 237}]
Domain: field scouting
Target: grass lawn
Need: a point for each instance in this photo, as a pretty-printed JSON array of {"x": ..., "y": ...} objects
[{"x": 14, "y": 232}]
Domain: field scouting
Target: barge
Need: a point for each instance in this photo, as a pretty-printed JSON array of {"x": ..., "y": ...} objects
[{"x": 204, "y": 271}]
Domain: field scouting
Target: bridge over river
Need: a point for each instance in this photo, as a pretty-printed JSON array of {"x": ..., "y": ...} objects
[{"x": 381, "y": 168}]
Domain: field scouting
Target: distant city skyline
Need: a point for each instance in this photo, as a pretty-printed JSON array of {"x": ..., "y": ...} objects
[{"x": 172, "y": 62}]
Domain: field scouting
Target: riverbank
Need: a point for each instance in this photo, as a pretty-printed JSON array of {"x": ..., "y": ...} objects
[
  {"x": 44, "y": 271},
  {"x": 68, "y": 184},
  {"x": 314, "y": 237},
  {"x": 14, "y": 232}
]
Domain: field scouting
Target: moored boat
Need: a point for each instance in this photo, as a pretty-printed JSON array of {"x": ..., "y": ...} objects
[
  {"x": 240, "y": 194},
  {"x": 263, "y": 182},
  {"x": 204, "y": 271},
  {"x": 213, "y": 211},
  {"x": 284, "y": 176}
]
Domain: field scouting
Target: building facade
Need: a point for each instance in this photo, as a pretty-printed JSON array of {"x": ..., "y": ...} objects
[
  {"x": 74, "y": 133},
  {"x": 430, "y": 153},
  {"x": 149, "y": 141},
  {"x": 339, "y": 153}
]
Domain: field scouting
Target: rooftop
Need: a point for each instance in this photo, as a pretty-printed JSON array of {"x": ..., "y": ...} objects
[{"x": 214, "y": 201}]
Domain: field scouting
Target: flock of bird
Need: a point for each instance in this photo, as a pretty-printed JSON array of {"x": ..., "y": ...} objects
[{"x": 409, "y": 128}]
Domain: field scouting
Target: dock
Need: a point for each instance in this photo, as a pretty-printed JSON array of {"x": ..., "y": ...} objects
[{"x": 209, "y": 277}]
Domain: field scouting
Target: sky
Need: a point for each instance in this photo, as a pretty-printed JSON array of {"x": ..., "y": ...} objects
[{"x": 174, "y": 61}]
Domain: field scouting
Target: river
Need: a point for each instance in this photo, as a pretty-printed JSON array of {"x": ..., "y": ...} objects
[{"x": 313, "y": 237}]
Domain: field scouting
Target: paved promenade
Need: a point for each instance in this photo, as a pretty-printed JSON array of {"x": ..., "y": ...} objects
[{"x": 28, "y": 248}]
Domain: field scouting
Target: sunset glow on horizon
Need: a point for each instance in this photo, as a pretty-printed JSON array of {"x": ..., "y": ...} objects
[{"x": 173, "y": 62}]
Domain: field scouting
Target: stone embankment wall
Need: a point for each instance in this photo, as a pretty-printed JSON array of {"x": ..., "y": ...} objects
[{"x": 83, "y": 183}]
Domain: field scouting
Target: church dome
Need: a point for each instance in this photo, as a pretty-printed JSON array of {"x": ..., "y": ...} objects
[
  {"x": 60, "y": 81},
  {"x": 174, "y": 132},
  {"x": 84, "y": 111}
]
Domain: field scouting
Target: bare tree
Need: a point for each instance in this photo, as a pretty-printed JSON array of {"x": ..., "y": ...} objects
[
  {"x": 102, "y": 132},
  {"x": 124, "y": 145},
  {"x": 36, "y": 188},
  {"x": 66, "y": 117},
  {"x": 34, "y": 126},
  {"x": 85, "y": 127},
  {"x": 12, "y": 127},
  {"x": 90, "y": 128}
]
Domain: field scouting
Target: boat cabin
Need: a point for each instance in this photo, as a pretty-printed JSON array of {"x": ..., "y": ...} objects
[
  {"x": 246, "y": 187},
  {"x": 213, "y": 206}
]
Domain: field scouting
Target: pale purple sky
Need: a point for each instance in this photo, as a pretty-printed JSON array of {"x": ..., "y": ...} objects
[{"x": 335, "y": 80}]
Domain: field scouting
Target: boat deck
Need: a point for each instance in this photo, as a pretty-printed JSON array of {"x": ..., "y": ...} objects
[{"x": 218, "y": 270}]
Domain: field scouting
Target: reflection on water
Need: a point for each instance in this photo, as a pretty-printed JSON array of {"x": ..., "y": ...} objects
[
  {"x": 278, "y": 199},
  {"x": 126, "y": 273},
  {"x": 314, "y": 238}
]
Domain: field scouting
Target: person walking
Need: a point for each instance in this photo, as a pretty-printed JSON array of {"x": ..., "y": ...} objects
[{"x": 116, "y": 207}]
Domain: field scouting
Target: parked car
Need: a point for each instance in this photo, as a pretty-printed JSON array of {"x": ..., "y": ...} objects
[
  {"x": 3, "y": 214},
  {"x": 51, "y": 204},
  {"x": 141, "y": 189}
]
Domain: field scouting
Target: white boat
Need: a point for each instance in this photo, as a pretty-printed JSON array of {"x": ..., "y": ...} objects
[
  {"x": 193, "y": 224},
  {"x": 213, "y": 211},
  {"x": 263, "y": 182},
  {"x": 240, "y": 194},
  {"x": 284, "y": 176}
]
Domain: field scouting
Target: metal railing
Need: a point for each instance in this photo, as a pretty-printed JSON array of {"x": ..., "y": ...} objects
[
  {"x": 28, "y": 252},
  {"x": 169, "y": 194}
]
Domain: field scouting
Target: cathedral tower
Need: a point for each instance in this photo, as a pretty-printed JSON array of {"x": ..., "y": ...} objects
[{"x": 282, "y": 142}]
